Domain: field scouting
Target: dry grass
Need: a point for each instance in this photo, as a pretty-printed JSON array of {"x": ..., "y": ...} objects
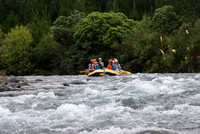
[{"x": 3, "y": 77}]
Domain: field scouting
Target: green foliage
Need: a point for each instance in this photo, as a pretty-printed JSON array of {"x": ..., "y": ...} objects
[
  {"x": 165, "y": 19},
  {"x": 98, "y": 31},
  {"x": 141, "y": 48},
  {"x": 63, "y": 28},
  {"x": 47, "y": 55},
  {"x": 16, "y": 51},
  {"x": 1, "y": 41},
  {"x": 73, "y": 60},
  {"x": 1, "y": 36},
  {"x": 38, "y": 30},
  {"x": 10, "y": 22}
]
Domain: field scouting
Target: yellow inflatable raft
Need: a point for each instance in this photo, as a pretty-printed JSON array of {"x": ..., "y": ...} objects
[{"x": 102, "y": 72}]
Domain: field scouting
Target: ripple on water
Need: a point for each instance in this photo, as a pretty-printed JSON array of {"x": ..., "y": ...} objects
[{"x": 137, "y": 104}]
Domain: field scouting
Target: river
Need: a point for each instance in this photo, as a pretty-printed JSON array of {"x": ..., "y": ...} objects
[{"x": 135, "y": 104}]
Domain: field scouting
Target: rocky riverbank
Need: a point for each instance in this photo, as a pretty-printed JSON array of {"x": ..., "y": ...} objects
[
  {"x": 18, "y": 83},
  {"x": 13, "y": 83}
]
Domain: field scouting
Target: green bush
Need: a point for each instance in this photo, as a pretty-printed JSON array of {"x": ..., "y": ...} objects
[
  {"x": 63, "y": 28},
  {"x": 38, "y": 30},
  {"x": 141, "y": 49},
  {"x": 99, "y": 31},
  {"x": 47, "y": 56},
  {"x": 16, "y": 51},
  {"x": 165, "y": 19}
]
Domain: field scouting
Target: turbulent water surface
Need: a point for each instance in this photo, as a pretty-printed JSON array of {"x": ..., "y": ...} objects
[{"x": 135, "y": 104}]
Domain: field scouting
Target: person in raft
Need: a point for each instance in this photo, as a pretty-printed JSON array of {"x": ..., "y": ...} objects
[
  {"x": 95, "y": 66},
  {"x": 116, "y": 65},
  {"x": 110, "y": 65},
  {"x": 101, "y": 64},
  {"x": 90, "y": 64}
]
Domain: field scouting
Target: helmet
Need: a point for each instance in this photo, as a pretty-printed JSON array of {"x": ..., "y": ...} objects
[
  {"x": 91, "y": 60},
  {"x": 110, "y": 61},
  {"x": 94, "y": 60},
  {"x": 100, "y": 58},
  {"x": 114, "y": 59}
]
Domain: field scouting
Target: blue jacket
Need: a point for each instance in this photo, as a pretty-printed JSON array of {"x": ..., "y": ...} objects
[
  {"x": 115, "y": 67},
  {"x": 119, "y": 67},
  {"x": 90, "y": 66}
]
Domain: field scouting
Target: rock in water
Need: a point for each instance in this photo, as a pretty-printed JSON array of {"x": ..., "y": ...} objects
[
  {"x": 77, "y": 82},
  {"x": 13, "y": 79},
  {"x": 88, "y": 79},
  {"x": 38, "y": 80},
  {"x": 4, "y": 88},
  {"x": 22, "y": 84},
  {"x": 65, "y": 84}
]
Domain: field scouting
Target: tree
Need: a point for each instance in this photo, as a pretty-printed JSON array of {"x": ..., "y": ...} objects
[
  {"x": 165, "y": 19},
  {"x": 16, "y": 51},
  {"x": 47, "y": 56},
  {"x": 63, "y": 28},
  {"x": 99, "y": 31}
]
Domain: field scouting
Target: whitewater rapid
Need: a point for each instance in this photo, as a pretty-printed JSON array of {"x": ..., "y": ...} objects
[{"x": 135, "y": 104}]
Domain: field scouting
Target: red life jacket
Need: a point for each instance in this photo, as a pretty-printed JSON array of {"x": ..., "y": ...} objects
[{"x": 109, "y": 66}]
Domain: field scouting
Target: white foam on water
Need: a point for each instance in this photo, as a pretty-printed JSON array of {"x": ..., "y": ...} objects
[
  {"x": 144, "y": 86},
  {"x": 90, "y": 91},
  {"x": 188, "y": 109},
  {"x": 70, "y": 112},
  {"x": 4, "y": 111},
  {"x": 139, "y": 130},
  {"x": 43, "y": 95},
  {"x": 171, "y": 112},
  {"x": 18, "y": 99},
  {"x": 97, "y": 106}
]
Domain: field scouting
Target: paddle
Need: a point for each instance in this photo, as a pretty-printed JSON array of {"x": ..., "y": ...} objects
[{"x": 86, "y": 71}]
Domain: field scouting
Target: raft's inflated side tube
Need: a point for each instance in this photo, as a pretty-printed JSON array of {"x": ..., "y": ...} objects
[{"x": 101, "y": 72}]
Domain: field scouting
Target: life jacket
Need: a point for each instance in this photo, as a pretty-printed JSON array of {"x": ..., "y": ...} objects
[{"x": 109, "y": 66}]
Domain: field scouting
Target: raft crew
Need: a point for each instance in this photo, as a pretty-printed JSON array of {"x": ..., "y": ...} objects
[
  {"x": 113, "y": 64},
  {"x": 101, "y": 64}
]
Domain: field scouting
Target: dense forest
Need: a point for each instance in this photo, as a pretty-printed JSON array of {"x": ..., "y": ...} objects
[{"x": 61, "y": 36}]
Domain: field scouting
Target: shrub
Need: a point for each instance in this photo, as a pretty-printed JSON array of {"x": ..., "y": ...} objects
[
  {"x": 165, "y": 19},
  {"x": 16, "y": 51}
]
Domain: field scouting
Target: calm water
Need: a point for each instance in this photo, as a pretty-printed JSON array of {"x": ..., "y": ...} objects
[{"x": 136, "y": 104}]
